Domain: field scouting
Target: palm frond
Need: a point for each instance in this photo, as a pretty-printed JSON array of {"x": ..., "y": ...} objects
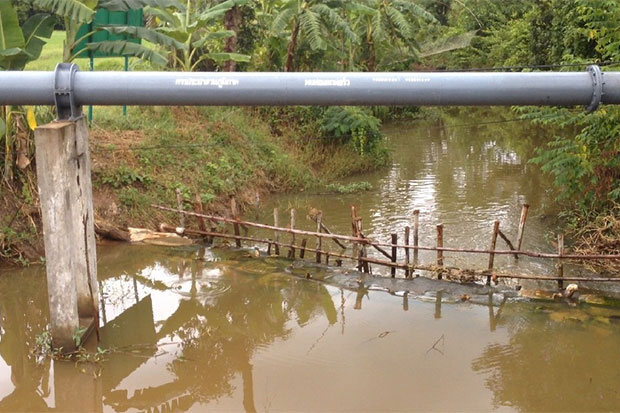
[
  {"x": 125, "y": 48},
  {"x": 220, "y": 34},
  {"x": 124, "y": 5},
  {"x": 400, "y": 22},
  {"x": 146, "y": 34},
  {"x": 163, "y": 15},
  {"x": 282, "y": 20},
  {"x": 415, "y": 10},
  {"x": 310, "y": 23},
  {"x": 71, "y": 9},
  {"x": 336, "y": 21}
]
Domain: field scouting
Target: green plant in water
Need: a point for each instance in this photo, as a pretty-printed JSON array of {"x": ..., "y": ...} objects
[
  {"x": 354, "y": 124},
  {"x": 349, "y": 188}
]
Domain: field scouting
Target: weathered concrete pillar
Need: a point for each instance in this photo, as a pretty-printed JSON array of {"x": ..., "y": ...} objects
[{"x": 65, "y": 191}]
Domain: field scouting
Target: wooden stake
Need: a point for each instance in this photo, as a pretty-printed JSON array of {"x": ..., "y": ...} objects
[
  {"x": 355, "y": 234},
  {"x": 319, "y": 226},
  {"x": 416, "y": 222},
  {"x": 508, "y": 242},
  {"x": 492, "y": 248},
  {"x": 65, "y": 191},
  {"x": 363, "y": 252},
  {"x": 394, "y": 254},
  {"x": 440, "y": 245},
  {"x": 292, "y": 251},
  {"x": 522, "y": 225},
  {"x": 407, "y": 273},
  {"x": 276, "y": 236},
  {"x": 180, "y": 207},
  {"x": 302, "y": 251},
  {"x": 325, "y": 229},
  {"x": 198, "y": 209},
  {"x": 560, "y": 263},
  {"x": 233, "y": 211}
]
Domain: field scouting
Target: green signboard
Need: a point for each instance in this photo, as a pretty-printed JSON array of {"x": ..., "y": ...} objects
[{"x": 105, "y": 17}]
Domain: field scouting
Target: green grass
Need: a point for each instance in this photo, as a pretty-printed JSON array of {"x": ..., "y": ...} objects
[{"x": 52, "y": 55}]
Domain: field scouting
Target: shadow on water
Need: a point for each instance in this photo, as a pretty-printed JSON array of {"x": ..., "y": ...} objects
[
  {"x": 217, "y": 329},
  {"x": 222, "y": 330}
]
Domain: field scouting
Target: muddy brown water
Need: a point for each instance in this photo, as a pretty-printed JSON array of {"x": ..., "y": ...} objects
[{"x": 193, "y": 329}]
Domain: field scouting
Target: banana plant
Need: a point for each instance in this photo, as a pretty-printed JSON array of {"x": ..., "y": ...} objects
[
  {"x": 78, "y": 12},
  {"x": 388, "y": 28},
  {"x": 312, "y": 21},
  {"x": 198, "y": 30},
  {"x": 18, "y": 46}
]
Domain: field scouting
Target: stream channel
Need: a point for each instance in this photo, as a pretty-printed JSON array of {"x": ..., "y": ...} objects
[{"x": 194, "y": 329}]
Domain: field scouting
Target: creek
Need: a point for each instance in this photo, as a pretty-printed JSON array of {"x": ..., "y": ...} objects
[{"x": 193, "y": 328}]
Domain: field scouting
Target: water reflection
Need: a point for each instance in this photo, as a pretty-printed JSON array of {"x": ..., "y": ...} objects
[
  {"x": 556, "y": 359},
  {"x": 221, "y": 330}
]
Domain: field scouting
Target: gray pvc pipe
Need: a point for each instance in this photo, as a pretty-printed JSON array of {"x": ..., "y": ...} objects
[{"x": 399, "y": 88}]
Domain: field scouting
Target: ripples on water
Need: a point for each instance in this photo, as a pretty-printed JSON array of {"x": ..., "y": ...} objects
[{"x": 193, "y": 329}]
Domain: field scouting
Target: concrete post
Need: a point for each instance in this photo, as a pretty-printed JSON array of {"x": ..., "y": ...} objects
[{"x": 65, "y": 192}]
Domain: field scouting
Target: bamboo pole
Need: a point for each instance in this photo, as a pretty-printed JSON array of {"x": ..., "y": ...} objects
[
  {"x": 363, "y": 251},
  {"x": 180, "y": 208},
  {"x": 521, "y": 229},
  {"x": 319, "y": 226},
  {"x": 416, "y": 224},
  {"x": 394, "y": 253},
  {"x": 422, "y": 248},
  {"x": 233, "y": 211},
  {"x": 508, "y": 242},
  {"x": 326, "y": 230},
  {"x": 169, "y": 228},
  {"x": 276, "y": 236},
  {"x": 302, "y": 251},
  {"x": 440, "y": 246},
  {"x": 560, "y": 264},
  {"x": 291, "y": 253},
  {"x": 198, "y": 208},
  {"x": 407, "y": 273},
  {"x": 356, "y": 235},
  {"x": 492, "y": 248}
]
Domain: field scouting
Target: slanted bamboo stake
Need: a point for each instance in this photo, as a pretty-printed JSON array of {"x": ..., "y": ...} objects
[
  {"x": 180, "y": 208},
  {"x": 522, "y": 225},
  {"x": 271, "y": 227},
  {"x": 292, "y": 251},
  {"x": 407, "y": 273},
  {"x": 302, "y": 251},
  {"x": 440, "y": 246},
  {"x": 416, "y": 222},
  {"x": 276, "y": 236},
  {"x": 326, "y": 230},
  {"x": 507, "y": 241},
  {"x": 233, "y": 211},
  {"x": 394, "y": 254},
  {"x": 560, "y": 264},
  {"x": 371, "y": 242},
  {"x": 170, "y": 228},
  {"x": 492, "y": 248},
  {"x": 319, "y": 226}
]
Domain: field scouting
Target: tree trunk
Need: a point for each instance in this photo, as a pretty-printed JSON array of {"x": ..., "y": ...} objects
[
  {"x": 291, "y": 49},
  {"x": 232, "y": 20},
  {"x": 372, "y": 55}
]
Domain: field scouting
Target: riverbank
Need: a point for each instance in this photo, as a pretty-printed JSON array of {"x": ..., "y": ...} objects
[{"x": 212, "y": 153}]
